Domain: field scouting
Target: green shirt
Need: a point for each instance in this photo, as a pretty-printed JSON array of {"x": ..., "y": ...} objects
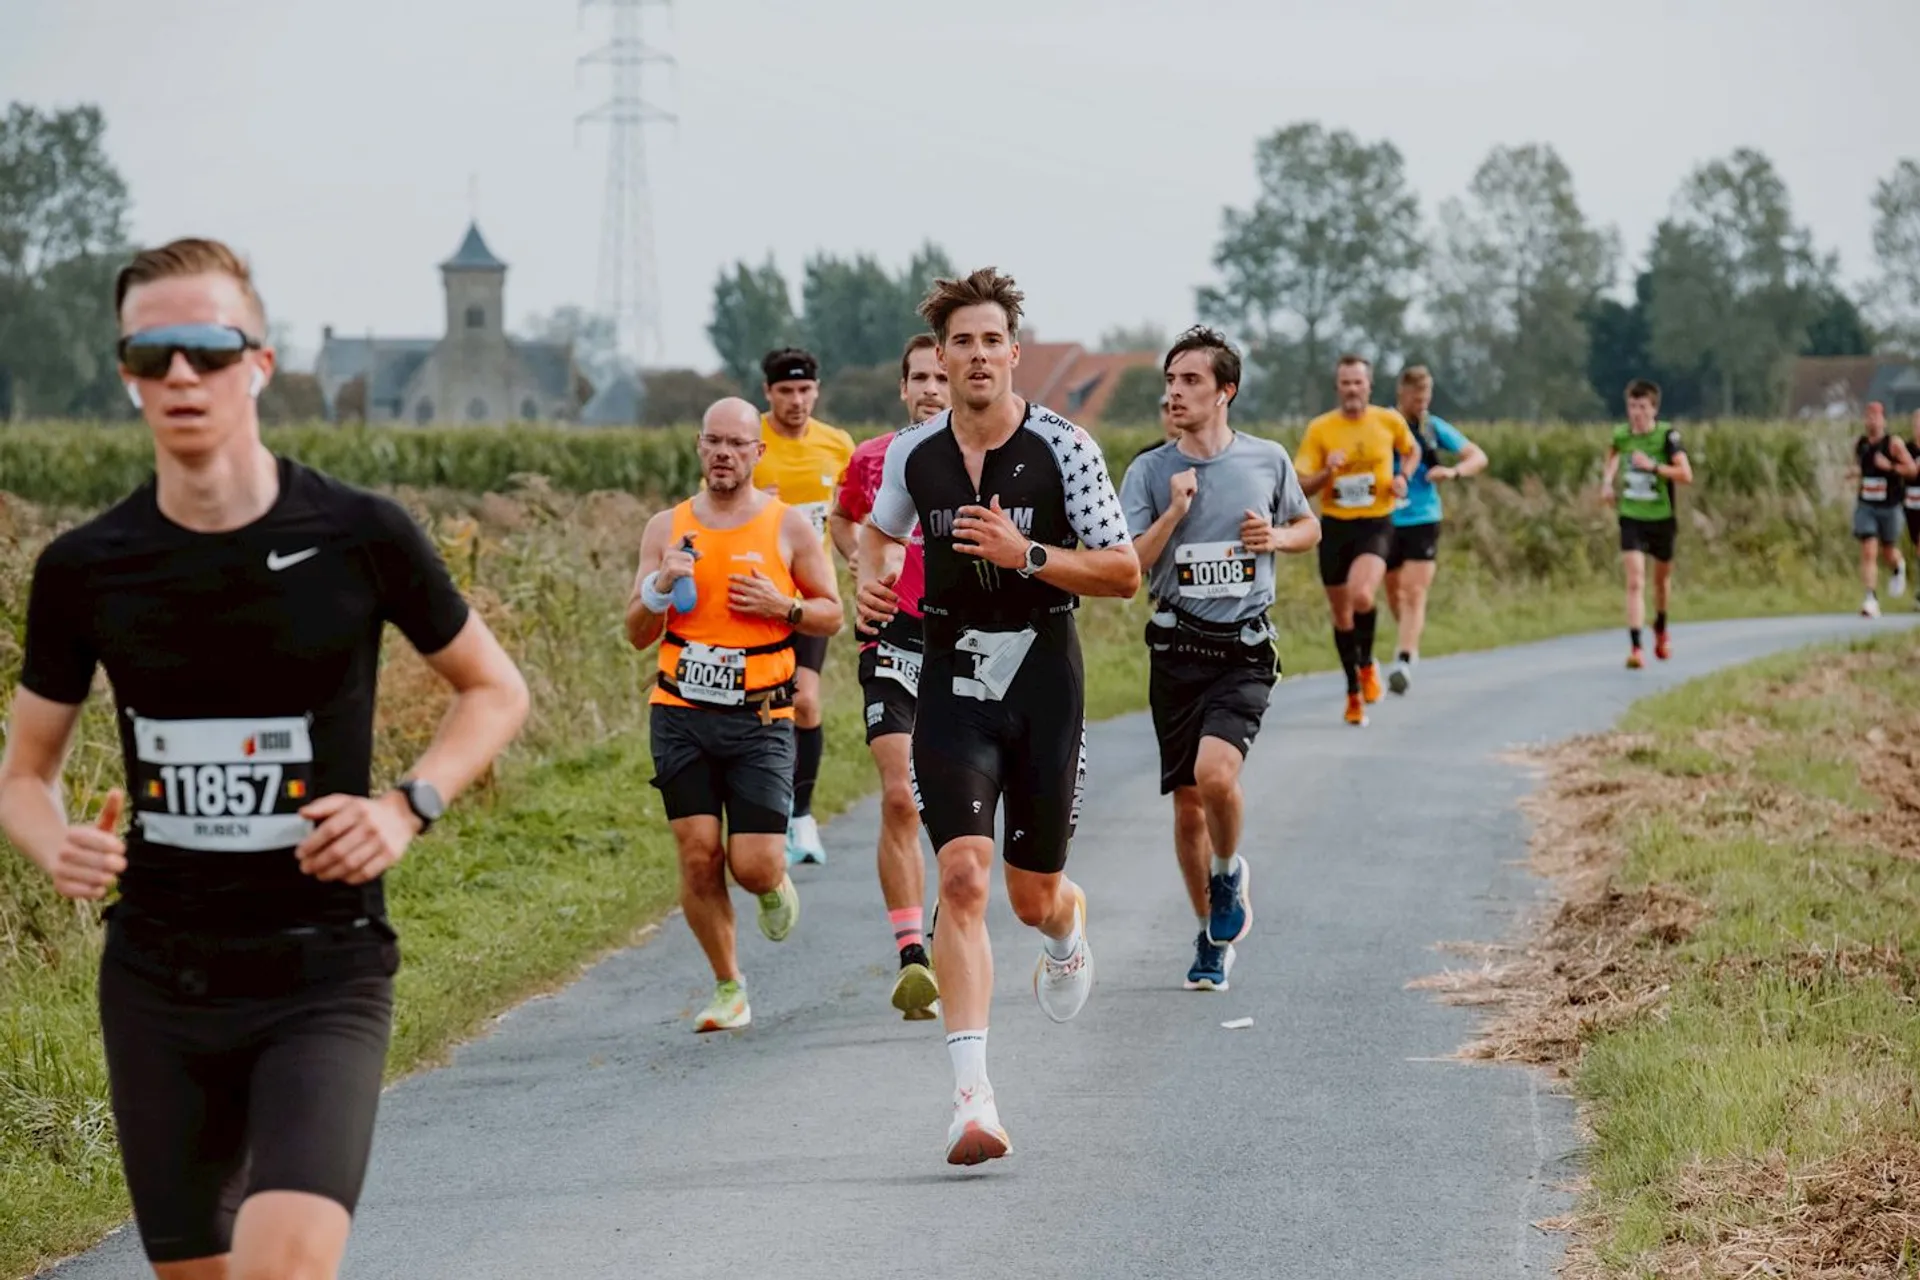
[{"x": 1644, "y": 495}]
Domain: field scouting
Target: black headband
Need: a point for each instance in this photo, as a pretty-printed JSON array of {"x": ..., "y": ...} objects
[{"x": 795, "y": 372}]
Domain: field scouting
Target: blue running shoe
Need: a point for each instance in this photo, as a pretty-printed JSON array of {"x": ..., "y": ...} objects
[
  {"x": 1229, "y": 914},
  {"x": 1211, "y": 964}
]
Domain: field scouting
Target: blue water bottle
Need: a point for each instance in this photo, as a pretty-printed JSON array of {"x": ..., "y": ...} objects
[{"x": 685, "y": 594}]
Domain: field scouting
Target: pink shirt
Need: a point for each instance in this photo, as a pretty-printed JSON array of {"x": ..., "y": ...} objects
[{"x": 855, "y": 498}]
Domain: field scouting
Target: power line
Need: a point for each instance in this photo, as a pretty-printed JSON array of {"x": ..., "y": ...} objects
[{"x": 627, "y": 291}]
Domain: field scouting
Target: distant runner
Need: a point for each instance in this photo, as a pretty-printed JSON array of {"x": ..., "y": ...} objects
[
  {"x": 1168, "y": 432},
  {"x": 1207, "y": 514},
  {"x": 721, "y": 713},
  {"x": 1648, "y": 524},
  {"x": 1019, "y": 520},
  {"x": 1350, "y": 454},
  {"x": 804, "y": 461},
  {"x": 890, "y": 686},
  {"x": 1882, "y": 468},
  {"x": 1913, "y": 495},
  {"x": 1411, "y": 561}
]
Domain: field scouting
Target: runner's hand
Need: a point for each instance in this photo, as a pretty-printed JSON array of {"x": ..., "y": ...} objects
[
  {"x": 1881, "y": 462},
  {"x": 1441, "y": 473},
  {"x": 674, "y": 565},
  {"x": 876, "y": 602},
  {"x": 988, "y": 532},
  {"x": 356, "y": 838},
  {"x": 1399, "y": 486},
  {"x": 91, "y": 856},
  {"x": 1336, "y": 459},
  {"x": 1606, "y": 495},
  {"x": 755, "y": 595},
  {"x": 1181, "y": 490},
  {"x": 1641, "y": 462},
  {"x": 1257, "y": 533}
]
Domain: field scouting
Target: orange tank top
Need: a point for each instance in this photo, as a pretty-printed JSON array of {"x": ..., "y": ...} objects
[{"x": 716, "y": 659}]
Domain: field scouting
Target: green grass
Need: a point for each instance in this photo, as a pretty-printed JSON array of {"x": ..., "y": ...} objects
[
  {"x": 1790, "y": 1030},
  {"x": 567, "y": 855}
]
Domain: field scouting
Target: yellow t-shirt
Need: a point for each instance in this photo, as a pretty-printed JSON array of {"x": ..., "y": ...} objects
[
  {"x": 1363, "y": 486},
  {"x": 803, "y": 473}
]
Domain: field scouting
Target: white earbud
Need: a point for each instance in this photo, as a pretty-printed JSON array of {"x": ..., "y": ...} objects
[
  {"x": 133, "y": 394},
  {"x": 1220, "y": 399},
  {"x": 259, "y": 384}
]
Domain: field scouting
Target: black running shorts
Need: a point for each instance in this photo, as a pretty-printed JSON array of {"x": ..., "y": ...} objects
[
  {"x": 889, "y": 702},
  {"x": 1195, "y": 700},
  {"x": 706, "y": 763},
  {"x": 1344, "y": 541},
  {"x": 1414, "y": 542},
  {"x": 1027, "y": 749},
  {"x": 809, "y": 652},
  {"x": 1654, "y": 537},
  {"x": 238, "y": 1069}
]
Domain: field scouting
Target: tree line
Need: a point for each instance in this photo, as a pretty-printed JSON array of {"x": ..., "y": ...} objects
[{"x": 1509, "y": 292}]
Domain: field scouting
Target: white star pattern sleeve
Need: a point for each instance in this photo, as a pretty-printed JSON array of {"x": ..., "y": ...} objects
[
  {"x": 894, "y": 513},
  {"x": 1093, "y": 508}
]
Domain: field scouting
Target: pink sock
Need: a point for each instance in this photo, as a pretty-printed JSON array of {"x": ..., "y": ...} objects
[{"x": 906, "y": 928}]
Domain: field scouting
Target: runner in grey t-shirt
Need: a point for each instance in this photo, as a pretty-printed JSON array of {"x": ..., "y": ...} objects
[{"x": 1208, "y": 512}]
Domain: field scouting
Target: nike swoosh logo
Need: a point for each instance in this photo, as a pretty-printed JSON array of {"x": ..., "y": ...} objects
[{"x": 277, "y": 562}]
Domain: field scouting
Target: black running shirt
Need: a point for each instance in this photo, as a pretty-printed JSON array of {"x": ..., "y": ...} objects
[
  {"x": 243, "y": 669},
  {"x": 1878, "y": 488},
  {"x": 1051, "y": 479}
]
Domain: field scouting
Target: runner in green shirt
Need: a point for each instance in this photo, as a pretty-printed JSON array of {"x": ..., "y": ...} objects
[{"x": 1656, "y": 461}]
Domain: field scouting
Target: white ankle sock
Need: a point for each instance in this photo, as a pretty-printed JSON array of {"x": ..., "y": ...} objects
[
  {"x": 1226, "y": 866},
  {"x": 968, "y": 1049}
]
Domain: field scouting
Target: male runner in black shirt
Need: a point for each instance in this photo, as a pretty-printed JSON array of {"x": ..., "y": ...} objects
[
  {"x": 236, "y": 602},
  {"x": 1003, "y": 490}
]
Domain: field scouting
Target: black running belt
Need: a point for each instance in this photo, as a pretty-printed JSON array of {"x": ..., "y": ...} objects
[{"x": 757, "y": 651}]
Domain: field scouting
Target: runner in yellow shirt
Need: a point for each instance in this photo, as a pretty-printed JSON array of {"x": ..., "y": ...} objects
[
  {"x": 1349, "y": 454},
  {"x": 802, "y": 466}
]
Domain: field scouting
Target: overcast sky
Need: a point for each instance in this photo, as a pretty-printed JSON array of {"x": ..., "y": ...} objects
[{"x": 1086, "y": 146}]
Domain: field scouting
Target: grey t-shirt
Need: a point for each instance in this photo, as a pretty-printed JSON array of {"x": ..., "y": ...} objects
[{"x": 1204, "y": 569}]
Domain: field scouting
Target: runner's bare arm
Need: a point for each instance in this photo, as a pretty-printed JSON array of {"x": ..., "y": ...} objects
[
  {"x": 1152, "y": 541},
  {"x": 643, "y": 625},
  {"x": 820, "y": 612},
  {"x": 845, "y": 531},
  {"x": 82, "y": 859},
  {"x": 1473, "y": 460},
  {"x": 882, "y": 557},
  {"x": 1608, "y": 473},
  {"x": 1904, "y": 461},
  {"x": 1680, "y": 470}
]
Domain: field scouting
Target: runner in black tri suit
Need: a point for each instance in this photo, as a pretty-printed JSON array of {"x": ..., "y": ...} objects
[
  {"x": 1003, "y": 491},
  {"x": 236, "y": 602},
  {"x": 1884, "y": 469}
]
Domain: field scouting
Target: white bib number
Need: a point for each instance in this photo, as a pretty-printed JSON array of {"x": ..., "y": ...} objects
[
  {"x": 717, "y": 677},
  {"x": 1913, "y": 498},
  {"x": 223, "y": 786},
  {"x": 816, "y": 514},
  {"x": 1354, "y": 490},
  {"x": 1642, "y": 486},
  {"x": 997, "y": 657},
  {"x": 1873, "y": 488},
  {"x": 899, "y": 665},
  {"x": 1213, "y": 570}
]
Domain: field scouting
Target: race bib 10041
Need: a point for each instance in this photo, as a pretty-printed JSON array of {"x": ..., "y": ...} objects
[
  {"x": 224, "y": 786},
  {"x": 1354, "y": 490},
  {"x": 714, "y": 676},
  {"x": 1213, "y": 570}
]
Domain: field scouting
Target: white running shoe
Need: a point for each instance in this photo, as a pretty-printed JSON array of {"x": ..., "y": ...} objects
[
  {"x": 803, "y": 841},
  {"x": 975, "y": 1136},
  {"x": 1062, "y": 986},
  {"x": 1897, "y": 585},
  {"x": 1870, "y": 607},
  {"x": 1399, "y": 676}
]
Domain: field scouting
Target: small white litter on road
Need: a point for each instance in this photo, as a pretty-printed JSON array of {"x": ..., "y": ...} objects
[{"x": 1238, "y": 1024}]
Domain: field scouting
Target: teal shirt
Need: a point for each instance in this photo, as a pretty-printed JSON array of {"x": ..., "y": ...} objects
[{"x": 1644, "y": 495}]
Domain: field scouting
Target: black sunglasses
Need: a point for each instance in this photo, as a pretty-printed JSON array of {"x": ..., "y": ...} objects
[{"x": 149, "y": 353}]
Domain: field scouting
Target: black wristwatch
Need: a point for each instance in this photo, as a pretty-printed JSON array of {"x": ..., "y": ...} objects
[
  {"x": 1036, "y": 560},
  {"x": 424, "y": 801},
  {"x": 797, "y": 612}
]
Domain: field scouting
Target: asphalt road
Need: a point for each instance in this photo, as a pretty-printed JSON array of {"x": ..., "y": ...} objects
[{"x": 592, "y": 1134}]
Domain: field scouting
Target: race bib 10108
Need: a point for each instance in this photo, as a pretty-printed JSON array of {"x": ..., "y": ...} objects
[{"x": 1213, "y": 570}]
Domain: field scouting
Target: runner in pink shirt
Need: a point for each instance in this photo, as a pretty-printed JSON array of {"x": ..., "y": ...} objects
[{"x": 890, "y": 683}]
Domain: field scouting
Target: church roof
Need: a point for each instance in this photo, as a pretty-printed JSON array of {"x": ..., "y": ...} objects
[{"x": 473, "y": 254}]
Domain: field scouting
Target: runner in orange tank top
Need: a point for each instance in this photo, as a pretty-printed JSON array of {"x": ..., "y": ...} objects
[{"x": 721, "y": 713}]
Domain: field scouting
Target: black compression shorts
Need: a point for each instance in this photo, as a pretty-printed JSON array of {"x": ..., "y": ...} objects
[
  {"x": 888, "y": 699},
  {"x": 240, "y": 1070},
  {"x": 1414, "y": 542},
  {"x": 809, "y": 652},
  {"x": 1344, "y": 541},
  {"x": 1027, "y": 748},
  {"x": 706, "y": 763},
  {"x": 1654, "y": 537},
  {"x": 1194, "y": 700}
]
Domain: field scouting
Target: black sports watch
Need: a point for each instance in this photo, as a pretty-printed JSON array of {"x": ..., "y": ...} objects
[
  {"x": 1036, "y": 560},
  {"x": 797, "y": 612},
  {"x": 424, "y": 801}
]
